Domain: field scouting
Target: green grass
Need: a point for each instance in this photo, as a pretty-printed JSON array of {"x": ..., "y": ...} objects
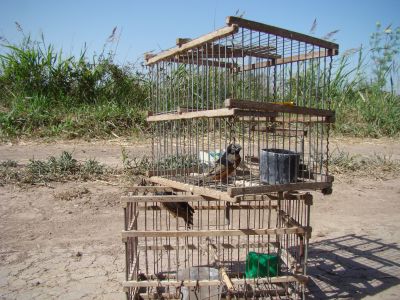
[
  {"x": 365, "y": 98},
  {"x": 29, "y": 117},
  {"x": 61, "y": 168},
  {"x": 45, "y": 93},
  {"x": 368, "y": 113},
  {"x": 66, "y": 168}
]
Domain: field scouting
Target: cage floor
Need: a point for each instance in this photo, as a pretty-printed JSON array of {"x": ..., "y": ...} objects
[{"x": 241, "y": 181}]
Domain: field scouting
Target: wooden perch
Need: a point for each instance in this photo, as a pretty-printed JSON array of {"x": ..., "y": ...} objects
[{"x": 269, "y": 106}]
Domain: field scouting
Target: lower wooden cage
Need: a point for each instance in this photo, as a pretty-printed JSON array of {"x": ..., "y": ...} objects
[{"x": 185, "y": 246}]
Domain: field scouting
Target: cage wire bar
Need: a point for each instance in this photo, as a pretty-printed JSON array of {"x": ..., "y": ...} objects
[{"x": 251, "y": 85}]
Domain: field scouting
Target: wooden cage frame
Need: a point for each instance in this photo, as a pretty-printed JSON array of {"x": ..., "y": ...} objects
[{"x": 291, "y": 203}]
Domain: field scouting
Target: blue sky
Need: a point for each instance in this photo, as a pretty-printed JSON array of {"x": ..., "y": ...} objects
[{"x": 154, "y": 25}]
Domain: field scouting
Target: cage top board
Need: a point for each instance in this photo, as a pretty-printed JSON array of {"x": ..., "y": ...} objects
[{"x": 243, "y": 39}]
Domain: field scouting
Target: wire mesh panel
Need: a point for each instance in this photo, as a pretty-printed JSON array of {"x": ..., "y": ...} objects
[
  {"x": 177, "y": 243},
  {"x": 193, "y": 152}
]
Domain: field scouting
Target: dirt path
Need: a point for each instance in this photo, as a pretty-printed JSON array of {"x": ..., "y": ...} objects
[{"x": 62, "y": 241}]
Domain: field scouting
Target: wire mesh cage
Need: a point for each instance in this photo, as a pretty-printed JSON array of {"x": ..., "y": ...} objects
[
  {"x": 247, "y": 84},
  {"x": 180, "y": 245},
  {"x": 240, "y": 122}
]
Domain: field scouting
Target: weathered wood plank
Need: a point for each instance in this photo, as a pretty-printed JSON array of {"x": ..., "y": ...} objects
[
  {"x": 202, "y": 283},
  {"x": 280, "y": 32},
  {"x": 214, "y": 194},
  {"x": 219, "y": 232}
]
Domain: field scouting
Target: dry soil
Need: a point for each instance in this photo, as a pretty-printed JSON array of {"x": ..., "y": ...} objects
[{"x": 62, "y": 240}]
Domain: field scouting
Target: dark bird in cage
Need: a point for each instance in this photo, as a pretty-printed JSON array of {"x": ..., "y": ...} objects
[
  {"x": 225, "y": 166},
  {"x": 179, "y": 209}
]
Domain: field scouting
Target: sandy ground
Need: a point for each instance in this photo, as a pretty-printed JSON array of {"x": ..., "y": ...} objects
[{"x": 58, "y": 245}]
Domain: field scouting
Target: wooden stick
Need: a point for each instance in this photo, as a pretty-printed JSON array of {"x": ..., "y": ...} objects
[
  {"x": 207, "y": 38},
  {"x": 219, "y": 232},
  {"x": 225, "y": 278},
  {"x": 280, "y": 32},
  {"x": 268, "y": 106},
  {"x": 217, "y": 195}
]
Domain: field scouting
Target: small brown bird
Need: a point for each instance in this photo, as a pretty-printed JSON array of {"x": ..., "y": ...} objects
[
  {"x": 225, "y": 165},
  {"x": 179, "y": 209}
]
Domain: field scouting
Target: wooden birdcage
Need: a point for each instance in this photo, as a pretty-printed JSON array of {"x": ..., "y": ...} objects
[{"x": 264, "y": 92}]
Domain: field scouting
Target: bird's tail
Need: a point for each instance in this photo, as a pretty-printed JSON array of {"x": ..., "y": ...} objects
[
  {"x": 179, "y": 209},
  {"x": 187, "y": 216}
]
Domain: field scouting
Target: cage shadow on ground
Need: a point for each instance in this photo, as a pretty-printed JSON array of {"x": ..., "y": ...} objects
[{"x": 352, "y": 266}]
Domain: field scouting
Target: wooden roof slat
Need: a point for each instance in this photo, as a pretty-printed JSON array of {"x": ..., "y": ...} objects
[
  {"x": 209, "y": 37},
  {"x": 221, "y": 51},
  {"x": 280, "y": 32}
]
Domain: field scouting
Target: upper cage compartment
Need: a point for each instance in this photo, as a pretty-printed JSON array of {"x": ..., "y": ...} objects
[
  {"x": 245, "y": 60},
  {"x": 247, "y": 84}
]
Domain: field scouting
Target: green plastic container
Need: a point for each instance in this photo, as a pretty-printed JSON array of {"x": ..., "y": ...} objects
[{"x": 261, "y": 265}]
